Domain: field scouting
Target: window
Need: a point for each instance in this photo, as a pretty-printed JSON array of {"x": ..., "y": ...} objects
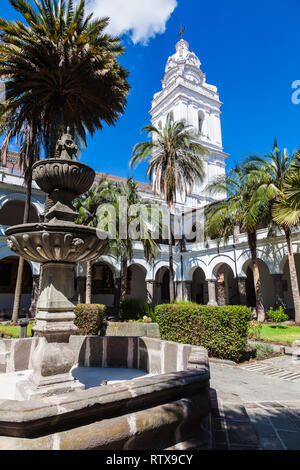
[{"x": 200, "y": 122}]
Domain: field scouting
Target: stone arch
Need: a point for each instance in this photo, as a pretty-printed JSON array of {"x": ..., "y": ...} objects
[
  {"x": 137, "y": 281},
  {"x": 12, "y": 213},
  {"x": 267, "y": 283},
  {"x": 112, "y": 262},
  {"x": 162, "y": 285},
  {"x": 226, "y": 285},
  {"x": 199, "y": 288},
  {"x": 8, "y": 275},
  {"x": 5, "y": 252},
  {"x": 286, "y": 281},
  {"x": 103, "y": 283},
  {"x": 215, "y": 264},
  {"x": 4, "y": 198},
  {"x": 190, "y": 267},
  {"x": 165, "y": 264}
]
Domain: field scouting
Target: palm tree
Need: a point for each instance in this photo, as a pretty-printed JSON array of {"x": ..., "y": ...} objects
[
  {"x": 60, "y": 67},
  {"x": 60, "y": 71},
  {"x": 87, "y": 206},
  {"x": 239, "y": 209},
  {"x": 174, "y": 165},
  {"x": 95, "y": 210},
  {"x": 123, "y": 198},
  {"x": 286, "y": 213},
  {"x": 270, "y": 175},
  {"x": 29, "y": 140}
]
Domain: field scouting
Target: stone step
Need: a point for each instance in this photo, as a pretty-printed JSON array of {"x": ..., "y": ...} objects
[{"x": 231, "y": 427}]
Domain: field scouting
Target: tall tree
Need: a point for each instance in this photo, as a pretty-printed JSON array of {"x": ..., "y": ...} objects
[
  {"x": 130, "y": 221},
  {"x": 286, "y": 213},
  {"x": 241, "y": 209},
  {"x": 61, "y": 71},
  {"x": 174, "y": 165},
  {"x": 87, "y": 206},
  {"x": 110, "y": 207},
  {"x": 29, "y": 140}
]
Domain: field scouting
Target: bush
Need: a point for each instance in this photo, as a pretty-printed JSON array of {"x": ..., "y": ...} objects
[
  {"x": 254, "y": 331},
  {"x": 277, "y": 316},
  {"x": 222, "y": 331},
  {"x": 89, "y": 318},
  {"x": 135, "y": 309}
]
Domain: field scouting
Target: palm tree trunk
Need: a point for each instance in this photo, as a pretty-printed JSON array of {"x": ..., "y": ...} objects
[
  {"x": 18, "y": 291},
  {"x": 261, "y": 315},
  {"x": 293, "y": 274},
  {"x": 124, "y": 277},
  {"x": 172, "y": 283},
  {"x": 89, "y": 281}
]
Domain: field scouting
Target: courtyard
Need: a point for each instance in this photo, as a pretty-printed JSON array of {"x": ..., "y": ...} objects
[{"x": 149, "y": 280}]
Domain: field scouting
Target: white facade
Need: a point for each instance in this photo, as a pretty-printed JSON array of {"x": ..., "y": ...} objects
[{"x": 187, "y": 97}]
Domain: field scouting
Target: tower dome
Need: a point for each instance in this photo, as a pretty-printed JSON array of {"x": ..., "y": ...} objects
[{"x": 183, "y": 63}]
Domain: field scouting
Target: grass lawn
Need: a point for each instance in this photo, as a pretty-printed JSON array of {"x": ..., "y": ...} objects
[
  {"x": 277, "y": 333},
  {"x": 13, "y": 331}
]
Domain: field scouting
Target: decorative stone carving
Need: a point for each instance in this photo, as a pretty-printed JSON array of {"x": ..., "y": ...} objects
[
  {"x": 44, "y": 243},
  {"x": 66, "y": 147},
  {"x": 65, "y": 175}
]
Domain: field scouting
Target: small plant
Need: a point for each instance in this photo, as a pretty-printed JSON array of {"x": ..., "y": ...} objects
[
  {"x": 277, "y": 316},
  {"x": 254, "y": 331},
  {"x": 132, "y": 308},
  {"x": 89, "y": 318}
]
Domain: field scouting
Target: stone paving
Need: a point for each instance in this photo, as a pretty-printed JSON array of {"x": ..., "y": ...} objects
[
  {"x": 254, "y": 409},
  {"x": 281, "y": 367}
]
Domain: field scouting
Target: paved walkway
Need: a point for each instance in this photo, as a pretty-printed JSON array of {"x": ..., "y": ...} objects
[{"x": 256, "y": 408}]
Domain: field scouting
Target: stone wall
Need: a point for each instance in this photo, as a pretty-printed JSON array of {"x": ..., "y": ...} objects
[
  {"x": 149, "y": 354},
  {"x": 151, "y": 330}
]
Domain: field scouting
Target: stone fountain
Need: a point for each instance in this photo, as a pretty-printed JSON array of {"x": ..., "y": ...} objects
[{"x": 58, "y": 244}]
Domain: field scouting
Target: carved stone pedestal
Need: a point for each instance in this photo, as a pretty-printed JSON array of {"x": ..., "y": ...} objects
[{"x": 53, "y": 359}]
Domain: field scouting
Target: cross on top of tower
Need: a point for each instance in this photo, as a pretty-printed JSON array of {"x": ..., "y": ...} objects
[{"x": 182, "y": 30}]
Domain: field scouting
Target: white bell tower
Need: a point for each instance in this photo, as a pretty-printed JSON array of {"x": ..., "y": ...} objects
[{"x": 186, "y": 96}]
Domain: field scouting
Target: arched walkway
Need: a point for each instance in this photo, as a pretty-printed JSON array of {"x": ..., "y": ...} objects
[
  {"x": 286, "y": 282},
  {"x": 136, "y": 281},
  {"x": 267, "y": 285},
  {"x": 226, "y": 286},
  {"x": 162, "y": 286},
  {"x": 8, "y": 277},
  {"x": 12, "y": 213},
  {"x": 103, "y": 285},
  {"x": 199, "y": 287}
]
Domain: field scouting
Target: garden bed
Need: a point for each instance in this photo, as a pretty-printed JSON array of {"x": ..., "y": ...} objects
[{"x": 278, "y": 334}]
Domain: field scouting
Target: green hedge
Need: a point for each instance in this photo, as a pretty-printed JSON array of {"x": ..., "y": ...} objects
[
  {"x": 221, "y": 330},
  {"x": 89, "y": 318}
]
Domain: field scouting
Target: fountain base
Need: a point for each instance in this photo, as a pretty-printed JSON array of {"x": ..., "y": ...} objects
[{"x": 53, "y": 359}]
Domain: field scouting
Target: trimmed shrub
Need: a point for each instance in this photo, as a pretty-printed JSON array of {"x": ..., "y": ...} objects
[
  {"x": 221, "y": 330},
  {"x": 134, "y": 309},
  {"x": 277, "y": 316},
  {"x": 89, "y": 318}
]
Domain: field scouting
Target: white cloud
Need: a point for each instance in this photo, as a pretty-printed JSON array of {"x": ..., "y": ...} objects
[{"x": 141, "y": 19}]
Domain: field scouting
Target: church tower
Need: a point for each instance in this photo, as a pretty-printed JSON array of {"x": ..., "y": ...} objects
[{"x": 186, "y": 96}]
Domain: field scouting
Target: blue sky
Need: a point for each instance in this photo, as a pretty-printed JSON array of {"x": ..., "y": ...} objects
[{"x": 248, "y": 49}]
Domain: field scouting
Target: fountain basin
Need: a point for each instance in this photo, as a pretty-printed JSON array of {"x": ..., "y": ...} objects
[
  {"x": 65, "y": 175},
  {"x": 153, "y": 412},
  {"x": 60, "y": 242}
]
